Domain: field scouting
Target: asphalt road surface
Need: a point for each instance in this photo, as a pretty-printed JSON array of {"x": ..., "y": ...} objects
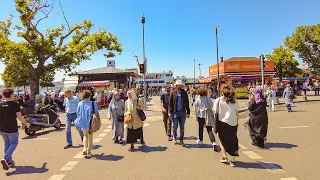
[{"x": 291, "y": 152}]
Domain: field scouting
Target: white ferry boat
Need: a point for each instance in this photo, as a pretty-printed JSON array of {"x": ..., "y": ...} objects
[{"x": 157, "y": 79}]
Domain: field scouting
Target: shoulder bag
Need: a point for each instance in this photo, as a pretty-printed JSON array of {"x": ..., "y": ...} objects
[
  {"x": 209, "y": 115},
  {"x": 141, "y": 113},
  {"x": 216, "y": 118},
  {"x": 120, "y": 118},
  {"x": 128, "y": 117},
  {"x": 95, "y": 122}
]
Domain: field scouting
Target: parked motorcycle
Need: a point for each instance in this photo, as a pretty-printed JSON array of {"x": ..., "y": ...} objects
[{"x": 46, "y": 117}]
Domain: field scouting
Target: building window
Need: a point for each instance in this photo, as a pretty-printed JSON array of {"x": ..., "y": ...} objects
[
  {"x": 161, "y": 81},
  {"x": 168, "y": 75},
  {"x": 155, "y": 82}
]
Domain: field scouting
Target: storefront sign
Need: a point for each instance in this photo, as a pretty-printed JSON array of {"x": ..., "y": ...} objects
[{"x": 240, "y": 66}]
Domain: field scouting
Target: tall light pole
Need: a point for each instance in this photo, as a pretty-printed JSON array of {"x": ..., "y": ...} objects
[
  {"x": 218, "y": 78},
  {"x": 143, "y": 20},
  {"x": 194, "y": 72}
]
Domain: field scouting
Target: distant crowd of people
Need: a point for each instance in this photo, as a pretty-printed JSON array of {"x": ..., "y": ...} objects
[{"x": 219, "y": 117}]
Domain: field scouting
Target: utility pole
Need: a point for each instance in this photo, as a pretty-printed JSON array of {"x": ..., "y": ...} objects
[
  {"x": 194, "y": 72},
  {"x": 143, "y": 20},
  {"x": 218, "y": 73},
  {"x": 262, "y": 70}
]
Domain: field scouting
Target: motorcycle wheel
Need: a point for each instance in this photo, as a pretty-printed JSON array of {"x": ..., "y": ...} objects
[
  {"x": 29, "y": 132},
  {"x": 58, "y": 124}
]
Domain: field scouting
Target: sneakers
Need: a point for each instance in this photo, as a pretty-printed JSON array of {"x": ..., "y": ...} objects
[
  {"x": 215, "y": 147},
  {"x": 5, "y": 165},
  {"x": 175, "y": 140},
  {"x": 84, "y": 152},
  {"x": 182, "y": 143},
  {"x": 67, "y": 146},
  {"x": 11, "y": 164},
  {"x": 199, "y": 141},
  {"x": 224, "y": 160},
  {"x": 131, "y": 149},
  {"x": 232, "y": 163},
  {"x": 89, "y": 156},
  {"x": 169, "y": 138}
]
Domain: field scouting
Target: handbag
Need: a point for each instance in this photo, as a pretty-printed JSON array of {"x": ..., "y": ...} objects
[
  {"x": 120, "y": 118},
  {"x": 95, "y": 122},
  {"x": 209, "y": 115},
  {"x": 141, "y": 113},
  {"x": 127, "y": 118},
  {"x": 216, "y": 118}
]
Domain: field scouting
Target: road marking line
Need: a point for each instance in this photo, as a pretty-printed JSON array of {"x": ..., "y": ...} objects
[
  {"x": 57, "y": 177},
  {"x": 145, "y": 124},
  {"x": 102, "y": 135},
  {"x": 107, "y": 130},
  {"x": 109, "y": 127},
  {"x": 242, "y": 146},
  {"x": 252, "y": 155},
  {"x": 271, "y": 167},
  {"x": 79, "y": 155},
  {"x": 69, "y": 166},
  {"x": 293, "y": 127},
  {"x": 96, "y": 140},
  {"x": 37, "y": 139},
  {"x": 290, "y": 178}
]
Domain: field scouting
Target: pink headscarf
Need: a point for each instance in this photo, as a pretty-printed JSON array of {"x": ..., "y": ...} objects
[{"x": 258, "y": 95}]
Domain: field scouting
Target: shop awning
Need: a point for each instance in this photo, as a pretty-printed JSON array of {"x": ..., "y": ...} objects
[{"x": 95, "y": 84}]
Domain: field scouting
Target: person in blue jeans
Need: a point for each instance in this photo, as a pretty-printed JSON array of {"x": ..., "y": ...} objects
[
  {"x": 71, "y": 103},
  {"x": 9, "y": 113},
  {"x": 179, "y": 110}
]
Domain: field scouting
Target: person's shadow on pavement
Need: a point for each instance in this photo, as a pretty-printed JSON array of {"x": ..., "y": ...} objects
[
  {"x": 269, "y": 145},
  {"x": 28, "y": 170},
  {"x": 148, "y": 149},
  {"x": 110, "y": 157}
]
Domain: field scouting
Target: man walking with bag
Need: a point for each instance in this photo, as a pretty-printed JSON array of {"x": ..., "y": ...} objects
[
  {"x": 71, "y": 103},
  {"x": 179, "y": 110}
]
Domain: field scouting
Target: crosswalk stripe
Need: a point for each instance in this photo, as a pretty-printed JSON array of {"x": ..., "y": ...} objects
[
  {"x": 79, "y": 155},
  {"x": 293, "y": 127},
  {"x": 252, "y": 155},
  {"x": 107, "y": 130},
  {"x": 69, "y": 166},
  {"x": 102, "y": 135},
  {"x": 242, "y": 146},
  {"x": 57, "y": 177},
  {"x": 96, "y": 140},
  {"x": 271, "y": 167}
]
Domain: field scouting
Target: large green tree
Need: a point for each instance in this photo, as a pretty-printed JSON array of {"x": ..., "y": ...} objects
[
  {"x": 306, "y": 42},
  {"x": 285, "y": 63},
  {"x": 43, "y": 50}
]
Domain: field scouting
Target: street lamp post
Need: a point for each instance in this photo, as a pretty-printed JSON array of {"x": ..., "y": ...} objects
[
  {"x": 218, "y": 78},
  {"x": 194, "y": 72},
  {"x": 143, "y": 20}
]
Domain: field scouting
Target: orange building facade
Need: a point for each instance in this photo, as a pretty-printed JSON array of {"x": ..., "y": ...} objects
[{"x": 240, "y": 69}]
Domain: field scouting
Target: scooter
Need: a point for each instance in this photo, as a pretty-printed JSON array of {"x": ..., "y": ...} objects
[{"x": 46, "y": 117}]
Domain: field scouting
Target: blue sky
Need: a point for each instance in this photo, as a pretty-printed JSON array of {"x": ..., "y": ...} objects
[{"x": 176, "y": 31}]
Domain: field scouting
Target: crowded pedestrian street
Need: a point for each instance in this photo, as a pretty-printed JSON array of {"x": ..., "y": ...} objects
[
  {"x": 289, "y": 154},
  {"x": 159, "y": 90}
]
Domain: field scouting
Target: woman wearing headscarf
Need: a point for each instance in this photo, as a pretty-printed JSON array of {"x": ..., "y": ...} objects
[
  {"x": 258, "y": 121},
  {"x": 227, "y": 128},
  {"x": 134, "y": 127},
  {"x": 116, "y": 113},
  {"x": 288, "y": 96}
]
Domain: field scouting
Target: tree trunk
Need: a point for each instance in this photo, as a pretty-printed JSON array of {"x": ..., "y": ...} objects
[
  {"x": 280, "y": 70},
  {"x": 34, "y": 86}
]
